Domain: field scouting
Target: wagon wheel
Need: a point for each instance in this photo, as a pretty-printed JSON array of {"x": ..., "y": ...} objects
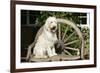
[{"x": 66, "y": 38}]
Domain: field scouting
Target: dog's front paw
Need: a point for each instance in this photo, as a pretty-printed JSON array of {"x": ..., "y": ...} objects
[
  {"x": 45, "y": 56},
  {"x": 54, "y": 54},
  {"x": 50, "y": 55},
  {"x": 40, "y": 57}
]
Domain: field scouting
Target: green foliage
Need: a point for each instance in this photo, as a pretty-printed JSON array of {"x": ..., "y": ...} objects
[
  {"x": 43, "y": 15},
  {"x": 86, "y": 35}
]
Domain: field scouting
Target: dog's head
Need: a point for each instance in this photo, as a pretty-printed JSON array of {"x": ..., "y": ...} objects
[{"x": 51, "y": 24}]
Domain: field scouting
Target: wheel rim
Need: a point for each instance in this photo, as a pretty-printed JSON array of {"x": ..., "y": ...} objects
[{"x": 62, "y": 37}]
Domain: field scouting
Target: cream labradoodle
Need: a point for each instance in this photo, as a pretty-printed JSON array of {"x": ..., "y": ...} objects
[{"x": 44, "y": 46}]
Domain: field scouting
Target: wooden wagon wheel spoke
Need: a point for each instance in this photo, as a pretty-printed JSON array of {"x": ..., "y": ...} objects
[
  {"x": 59, "y": 31},
  {"x": 75, "y": 49},
  {"x": 69, "y": 37},
  {"x": 67, "y": 52},
  {"x": 72, "y": 42},
  {"x": 71, "y": 48},
  {"x": 65, "y": 33}
]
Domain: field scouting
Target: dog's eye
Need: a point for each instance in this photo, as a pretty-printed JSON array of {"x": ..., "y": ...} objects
[{"x": 51, "y": 22}]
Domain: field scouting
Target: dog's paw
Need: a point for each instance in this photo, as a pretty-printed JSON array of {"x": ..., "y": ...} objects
[
  {"x": 40, "y": 57},
  {"x": 54, "y": 54},
  {"x": 45, "y": 56},
  {"x": 50, "y": 55}
]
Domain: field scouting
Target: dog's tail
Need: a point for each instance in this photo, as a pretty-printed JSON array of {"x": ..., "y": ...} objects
[{"x": 29, "y": 51}]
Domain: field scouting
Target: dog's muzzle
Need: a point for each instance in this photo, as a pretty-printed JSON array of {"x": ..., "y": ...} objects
[{"x": 53, "y": 29}]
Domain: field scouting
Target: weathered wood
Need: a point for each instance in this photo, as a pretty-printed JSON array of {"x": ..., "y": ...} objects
[
  {"x": 67, "y": 52},
  {"x": 72, "y": 42},
  {"x": 68, "y": 22},
  {"x": 69, "y": 37},
  {"x": 65, "y": 33},
  {"x": 59, "y": 27},
  {"x": 55, "y": 58}
]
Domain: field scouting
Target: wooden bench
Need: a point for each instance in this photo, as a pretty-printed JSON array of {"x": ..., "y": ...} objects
[{"x": 55, "y": 58}]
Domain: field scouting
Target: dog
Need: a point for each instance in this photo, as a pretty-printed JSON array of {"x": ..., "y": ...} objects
[{"x": 44, "y": 46}]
